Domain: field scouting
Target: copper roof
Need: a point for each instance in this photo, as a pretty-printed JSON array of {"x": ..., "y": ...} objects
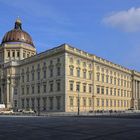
[{"x": 17, "y": 35}]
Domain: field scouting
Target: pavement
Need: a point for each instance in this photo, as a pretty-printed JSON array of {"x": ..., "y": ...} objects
[{"x": 69, "y": 128}]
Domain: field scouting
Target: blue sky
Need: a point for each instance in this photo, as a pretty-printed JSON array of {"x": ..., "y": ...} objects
[{"x": 107, "y": 28}]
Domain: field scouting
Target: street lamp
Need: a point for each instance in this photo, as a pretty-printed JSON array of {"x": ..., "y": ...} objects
[{"x": 78, "y": 113}]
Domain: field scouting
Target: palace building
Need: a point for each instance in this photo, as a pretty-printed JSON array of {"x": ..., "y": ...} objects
[{"x": 62, "y": 79}]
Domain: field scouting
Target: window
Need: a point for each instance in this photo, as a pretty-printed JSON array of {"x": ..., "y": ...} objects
[
  {"x": 22, "y": 90},
  {"x": 98, "y": 102},
  {"x": 15, "y": 91},
  {"x": 22, "y": 103},
  {"x": 118, "y": 92},
  {"x": 114, "y": 81},
  {"x": 32, "y": 76},
  {"x": 33, "y": 89},
  {"x": 78, "y": 72},
  {"x": 111, "y": 103},
  {"x": 38, "y": 75},
  {"x": 27, "y": 77},
  {"x": 84, "y": 88},
  {"x": 71, "y": 71},
  {"x": 89, "y": 102},
  {"x": 58, "y": 86},
  {"x": 27, "y": 103},
  {"x": 51, "y": 72},
  {"x": 110, "y": 91},
  {"x": 90, "y": 76},
  {"x": 78, "y": 62},
  {"x": 58, "y": 71},
  {"x": 102, "y": 90},
  {"x": 15, "y": 103},
  {"x": 98, "y": 89},
  {"x": 38, "y": 88},
  {"x": 8, "y": 53},
  {"x": 58, "y": 103},
  {"x": 27, "y": 89},
  {"x": 44, "y": 88},
  {"x": 84, "y": 102},
  {"x": 24, "y": 55},
  {"x": 51, "y": 103},
  {"x": 102, "y": 102},
  {"x": 22, "y": 78},
  {"x": 44, "y": 74},
  {"x": 106, "y": 102},
  {"x": 17, "y": 54},
  {"x": 102, "y": 77},
  {"x": 71, "y": 86},
  {"x": 84, "y": 74},
  {"x": 58, "y": 60},
  {"x": 44, "y": 103},
  {"x": 107, "y": 91},
  {"x": 111, "y": 80},
  {"x": 78, "y": 87},
  {"x": 71, "y": 101},
  {"x": 51, "y": 87},
  {"x": 114, "y": 91},
  {"x": 98, "y": 76},
  {"x": 33, "y": 103},
  {"x": 90, "y": 88},
  {"x": 13, "y": 54},
  {"x": 107, "y": 78}
]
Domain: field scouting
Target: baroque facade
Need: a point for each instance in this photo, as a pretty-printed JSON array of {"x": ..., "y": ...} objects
[{"x": 62, "y": 79}]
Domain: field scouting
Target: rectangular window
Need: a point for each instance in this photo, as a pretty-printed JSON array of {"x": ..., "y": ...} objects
[
  {"x": 90, "y": 88},
  {"x": 13, "y": 54},
  {"x": 71, "y": 102},
  {"x": 78, "y": 87},
  {"x": 78, "y": 72},
  {"x": 102, "y": 90},
  {"x": 44, "y": 88},
  {"x": 15, "y": 103},
  {"x": 8, "y": 53},
  {"x": 84, "y": 88},
  {"x": 22, "y": 90},
  {"x": 84, "y": 102},
  {"x": 33, "y": 90},
  {"x": 98, "y": 76},
  {"x": 98, "y": 102},
  {"x": 107, "y": 78},
  {"x": 71, "y": 71},
  {"x": 107, "y": 91},
  {"x": 18, "y": 54},
  {"x": 32, "y": 76},
  {"x": 38, "y": 75},
  {"x": 84, "y": 74},
  {"x": 98, "y": 89},
  {"x": 51, "y": 72},
  {"x": 102, "y": 77},
  {"x": 58, "y": 71},
  {"x": 71, "y": 86},
  {"x": 90, "y": 75},
  {"x": 51, "y": 87},
  {"x": 38, "y": 88},
  {"x": 27, "y": 89},
  {"x": 44, "y": 74},
  {"x": 58, "y": 86}
]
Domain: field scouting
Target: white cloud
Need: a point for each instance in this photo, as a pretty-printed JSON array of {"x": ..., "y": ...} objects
[{"x": 128, "y": 20}]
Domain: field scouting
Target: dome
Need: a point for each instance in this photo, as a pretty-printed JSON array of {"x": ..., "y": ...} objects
[{"x": 17, "y": 35}]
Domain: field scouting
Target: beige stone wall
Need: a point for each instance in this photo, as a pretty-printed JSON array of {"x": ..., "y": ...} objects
[
  {"x": 46, "y": 90},
  {"x": 112, "y": 88}
]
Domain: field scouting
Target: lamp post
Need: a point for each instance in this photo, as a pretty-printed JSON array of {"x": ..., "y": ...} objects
[{"x": 78, "y": 113}]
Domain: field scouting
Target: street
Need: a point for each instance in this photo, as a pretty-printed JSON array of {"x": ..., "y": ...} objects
[{"x": 68, "y": 128}]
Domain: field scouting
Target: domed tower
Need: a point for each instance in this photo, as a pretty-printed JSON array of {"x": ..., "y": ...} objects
[{"x": 16, "y": 44}]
